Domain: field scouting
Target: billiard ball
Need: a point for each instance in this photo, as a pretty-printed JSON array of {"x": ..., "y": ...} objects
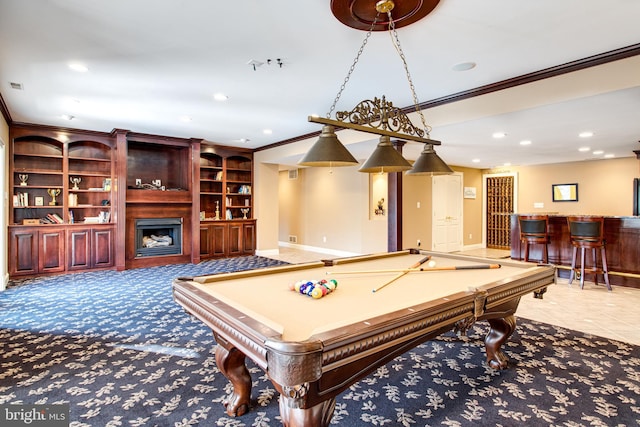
[{"x": 431, "y": 264}]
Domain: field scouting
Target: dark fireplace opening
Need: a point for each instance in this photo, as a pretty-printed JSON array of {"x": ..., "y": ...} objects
[{"x": 158, "y": 236}]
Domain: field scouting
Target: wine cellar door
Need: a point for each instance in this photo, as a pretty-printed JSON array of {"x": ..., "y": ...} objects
[{"x": 499, "y": 207}]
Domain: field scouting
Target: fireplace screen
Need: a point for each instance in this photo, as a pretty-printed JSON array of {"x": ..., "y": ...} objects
[{"x": 158, "y": 236}]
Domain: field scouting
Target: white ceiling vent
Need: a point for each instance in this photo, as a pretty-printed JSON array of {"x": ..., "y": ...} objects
[
  {"x": 293, "y": 174},
  {"x": 17, "y": 86}
]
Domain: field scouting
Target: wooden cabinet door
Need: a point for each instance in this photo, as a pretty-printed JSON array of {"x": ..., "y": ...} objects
[
  {"x": 249, "y": 239},
  {"x": 218, "y": 242},
  {"x": 205, "y": 242},
  {"x": 235, "y": 238},
  {"x": 51, "y": 257},
  {"x": 102, "y": 250},
  {"x": 213, "y": 240},
  {"x": 23, "y": 251},
  {"x": 79, "y": 244}
]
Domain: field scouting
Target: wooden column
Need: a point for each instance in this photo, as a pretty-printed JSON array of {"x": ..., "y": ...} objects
[
  {"x": 394, "y": 197},
  {"x": 119, "y": 214}
]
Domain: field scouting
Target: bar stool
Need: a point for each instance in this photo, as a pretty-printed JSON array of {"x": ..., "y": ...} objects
[
  {"x": 587, "y": 232},
  {"x": 534, "y": 229}
]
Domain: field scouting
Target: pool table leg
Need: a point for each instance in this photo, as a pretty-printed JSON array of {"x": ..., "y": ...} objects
[
  {"x": 317, "y": 416},
  {"x": 501, "y": 330},
  {"x": 232, "y": 365}
]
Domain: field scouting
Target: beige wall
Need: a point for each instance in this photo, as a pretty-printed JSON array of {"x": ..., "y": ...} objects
[
  {"x": 329, "y": 210},
  {"x": 417, "y": 221},
  {"x": 4, "y": 201},
  {"x": 336, "y": 205},
  {"x": 265, "y": 199},
  {"x": 604, "y": 186},
  {"x": 472, "y": 208}
]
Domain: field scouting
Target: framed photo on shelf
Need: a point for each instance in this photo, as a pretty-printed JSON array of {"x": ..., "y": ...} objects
[{"x": 564, "y": 192}]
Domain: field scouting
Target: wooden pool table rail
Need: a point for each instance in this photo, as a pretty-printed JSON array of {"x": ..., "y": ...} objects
[{"x": 311, "y": 373}]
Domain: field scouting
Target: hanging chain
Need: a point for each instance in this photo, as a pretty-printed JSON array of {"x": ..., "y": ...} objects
[
  {"x": 396, "y": 42},
  {"x": 353, "y": 66}
]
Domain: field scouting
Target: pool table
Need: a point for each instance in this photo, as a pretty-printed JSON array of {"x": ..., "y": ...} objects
[{"x": 314, "y": 348}]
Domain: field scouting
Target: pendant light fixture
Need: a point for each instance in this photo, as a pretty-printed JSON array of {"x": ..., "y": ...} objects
[
  {"x": 377, "y": 116},
  {"x": 428, "y": 163}
]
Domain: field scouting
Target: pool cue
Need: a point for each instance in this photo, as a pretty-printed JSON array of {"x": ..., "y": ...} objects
[
  {"x": 410, "y": 270},
  {"x": 416, "y": 265}
]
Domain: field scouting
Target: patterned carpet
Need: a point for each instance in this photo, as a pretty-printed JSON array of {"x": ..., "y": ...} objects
[{"x": 117, "y": 348}]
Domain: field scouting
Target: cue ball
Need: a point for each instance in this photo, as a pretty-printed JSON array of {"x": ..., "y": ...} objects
[{"x": 431, "y": 264}]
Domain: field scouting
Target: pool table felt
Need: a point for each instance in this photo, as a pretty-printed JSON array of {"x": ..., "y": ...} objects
[{"x": 268, "y": 298}]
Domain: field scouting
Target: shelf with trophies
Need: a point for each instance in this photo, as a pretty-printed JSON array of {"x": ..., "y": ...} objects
[
  {"x": 227, "y": 226},
  {"x": 61, "y": 213},
  {"x": 90, "y": 178},
  {"x": 61, "y": 183},
  {"x": 37, "y": 181}
]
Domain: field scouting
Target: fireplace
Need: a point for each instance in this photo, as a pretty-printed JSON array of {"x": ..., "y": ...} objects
[{"x": 158, "y": 237}]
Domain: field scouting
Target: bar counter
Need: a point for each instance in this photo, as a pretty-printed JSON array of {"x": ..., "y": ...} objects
[{"x": 622, "y": 236}]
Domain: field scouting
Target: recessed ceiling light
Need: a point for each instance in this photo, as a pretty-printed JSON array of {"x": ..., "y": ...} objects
[
  {"x": 597, "y": 152},
  {"x": 81, "y": 68},
  {"x": 267, "y": 131},
  {"x": 525, "y": 142},
  {"x": 507, "y": 164},
  {"x": 609, "y": 156},
  {"x": 220, "y": 97},
  {"x": 499, "y": 134},
  {"x": 476, "y": 160},
  {"x": 586, "y": 134},
  {"x": 584, "y": 149},
  {"x": 464, "y": 66}
]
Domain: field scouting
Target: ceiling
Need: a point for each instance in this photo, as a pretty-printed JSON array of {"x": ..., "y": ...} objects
[{"x": 153, "y": 63}]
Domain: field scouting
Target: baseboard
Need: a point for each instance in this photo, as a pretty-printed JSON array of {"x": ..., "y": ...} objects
[
  {"x": 267, "y": 252},
  {"x": 5, "y": 282}
]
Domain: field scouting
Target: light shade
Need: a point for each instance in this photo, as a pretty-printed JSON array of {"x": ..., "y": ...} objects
[
  {"x": 328, "y": 151},
  {"x": 429, "y": 163},
  {"x": 385, "y": 158}
]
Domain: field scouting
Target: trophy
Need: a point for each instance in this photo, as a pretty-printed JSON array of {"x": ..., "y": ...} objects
[
  {"x": 75, "y": 180},
  {"x": 53, "y": 192},
  {"x": 23, "y": 179},
  {"x": 245, "y": 211},
  {"x": 217, "y": 209}
]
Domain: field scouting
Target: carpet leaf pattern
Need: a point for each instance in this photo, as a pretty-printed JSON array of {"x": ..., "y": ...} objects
[{"x": 121, "y": 352}]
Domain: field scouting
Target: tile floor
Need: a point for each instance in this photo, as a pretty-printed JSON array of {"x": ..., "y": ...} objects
[{"x": 592, "y": 310}]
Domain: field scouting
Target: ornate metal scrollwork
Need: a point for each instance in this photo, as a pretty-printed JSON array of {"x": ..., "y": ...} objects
[{"x": 380, "y": 114}]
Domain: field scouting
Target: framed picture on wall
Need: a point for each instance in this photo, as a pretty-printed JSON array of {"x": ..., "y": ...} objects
[{"x": 564, "y": 192}]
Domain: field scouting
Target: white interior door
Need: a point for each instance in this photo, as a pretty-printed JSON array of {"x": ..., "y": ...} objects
[{"x": 447, "y": 213}]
